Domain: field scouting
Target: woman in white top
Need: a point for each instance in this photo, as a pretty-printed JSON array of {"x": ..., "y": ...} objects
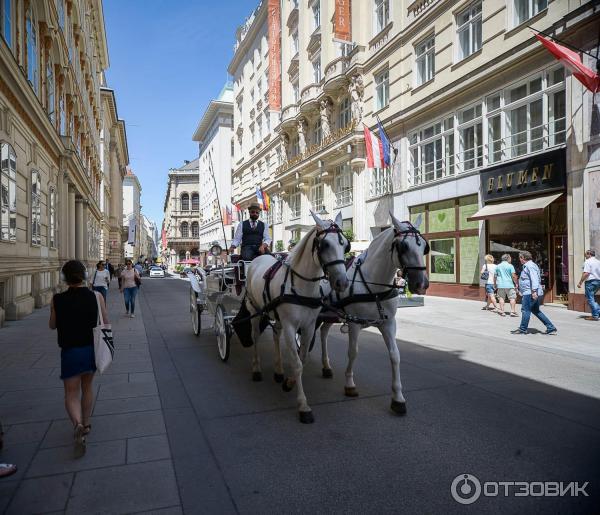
[
  {"x": 101, "y": 279},
  {"x": 489, "y": 269}
]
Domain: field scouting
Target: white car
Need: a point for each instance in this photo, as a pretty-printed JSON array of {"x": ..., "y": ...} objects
[{"x": 156, "y": 271}]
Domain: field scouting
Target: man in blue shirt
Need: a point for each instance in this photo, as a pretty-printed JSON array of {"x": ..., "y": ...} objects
[
  {"x": 530, "y": 288},
  {"x": 505, "y": 284}
]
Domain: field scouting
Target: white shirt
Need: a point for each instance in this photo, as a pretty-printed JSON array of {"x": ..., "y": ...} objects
[
  {"x": 237, "y": 238},
  {"x": 101, "y": 278},
  {"x": 491, "y": 268},
  {"x": 592, "y": 267}
]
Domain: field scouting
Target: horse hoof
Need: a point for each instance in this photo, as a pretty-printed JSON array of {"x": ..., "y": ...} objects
[
  {"x": 327, "y": 373},
  {"x": 399, "y": 408},
  {"x": 256, "y": 376},
  {"x": 278, "y": 377},
  {"x": 306, "y": 417},
  {"x": 350, "y": 391},
  {"x": 287, "y": 387}
]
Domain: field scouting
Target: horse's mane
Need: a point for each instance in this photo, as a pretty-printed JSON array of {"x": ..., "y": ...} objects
[
  {"x": 383, "y": 239},
  {"x": 297, "y": 254}
]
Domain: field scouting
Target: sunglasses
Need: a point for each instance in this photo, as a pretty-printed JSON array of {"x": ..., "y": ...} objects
[{"x": 254, "y": 212}]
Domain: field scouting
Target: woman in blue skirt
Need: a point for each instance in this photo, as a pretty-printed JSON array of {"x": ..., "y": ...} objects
[{"x": 74, "y": 313}]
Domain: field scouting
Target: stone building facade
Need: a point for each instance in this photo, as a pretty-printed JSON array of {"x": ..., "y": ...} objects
[
  {"x": 182, "y": 214},
  {"x": 214, "y": 135},
  {"x": 466, "y": 94},
  {"x": 52, "y": 58},
  {"x": 132, "y": 232}
]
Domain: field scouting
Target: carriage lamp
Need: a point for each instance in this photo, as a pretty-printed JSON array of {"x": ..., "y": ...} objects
[{"x": 215, "y": 250}]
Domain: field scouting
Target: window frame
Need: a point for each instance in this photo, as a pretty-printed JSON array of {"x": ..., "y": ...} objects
[
  {"x": 473, "y": 20},
  {"x": 185, "y": 197},
  {"x": 530, "y": 14},
  {"x": 317, "y": 71},
  {"x": 35, "y": 208},
  {"x": 8, "y": 186},
  {"x": 315, "y": 7},
  {"x": 345, "y": 112},
  {"x": 196, "y": 197},
  {"x": 343, "y": 187},
  {"x": 52, "y": 217},
  {"x": 184, "y": 230},
  {"x": 32, "y": 50},
  {"x": 384, "y": 7},
  {"x": 380, "y": 182},
  {"x": 382, "y": 89},
  {"x": 427, "y": 55},
  {"x": 295, "y": 203},
  {"x": 317, "y": 195},
  {"x": 6, "y": 21}
]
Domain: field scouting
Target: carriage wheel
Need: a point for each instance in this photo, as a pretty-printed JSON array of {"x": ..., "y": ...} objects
[
  {"x": 223, "y": 332},
  {"x": 197, "y": 321}
]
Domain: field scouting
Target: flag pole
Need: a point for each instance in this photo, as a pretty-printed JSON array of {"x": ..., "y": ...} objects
[
  {"x": 562, "y": 42},
  {"x": 212, "y": 173}
]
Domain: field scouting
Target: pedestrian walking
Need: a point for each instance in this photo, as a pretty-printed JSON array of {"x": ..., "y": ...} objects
[
  {"x": 530, "y": 288},
  {"x": 118, "y": 274},
  {"x": 130, "y": 280},
  {"x": 506, "y": 279},
  {"x": 101, "y": 280},
  {"x": 488, "y": 274},
  {"x": 110, "y": 268},
  {"x": 591, "y": 277},
  {"x": 74, "y": 314}
]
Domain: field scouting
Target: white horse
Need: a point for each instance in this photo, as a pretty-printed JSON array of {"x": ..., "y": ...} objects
[
  {"x": 372, "y": 273},
  {"x": 318, "y": 253}
]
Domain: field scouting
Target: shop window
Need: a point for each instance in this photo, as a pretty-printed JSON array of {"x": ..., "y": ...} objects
[
  {"x": 467, "y": 207},
  {"x": 415, "y": 212},
  {"x": 442, "y": 260},
  {"x": 442, "y": 217},
  {"x": 8, "y": 193},
  {"x": 469, "y": 259}
]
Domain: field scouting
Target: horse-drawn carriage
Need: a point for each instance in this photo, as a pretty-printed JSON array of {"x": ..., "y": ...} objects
[{"x": 291, "y": 293}]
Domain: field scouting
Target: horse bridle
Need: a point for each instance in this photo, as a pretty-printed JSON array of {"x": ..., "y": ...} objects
[
  {"x": 411, "y": 231},
  {"x": 333, "y": 228}
]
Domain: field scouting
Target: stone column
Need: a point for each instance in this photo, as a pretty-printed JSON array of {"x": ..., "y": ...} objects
[
  {"x": 62, "y": 225},
  {"x": 79, "y": 230},
  {"x": 71, "y": 223},
  {"x": 359, "y": 186}
]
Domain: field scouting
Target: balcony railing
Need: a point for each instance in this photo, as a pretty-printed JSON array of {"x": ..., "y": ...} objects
[{"x": 288, "y": 113}]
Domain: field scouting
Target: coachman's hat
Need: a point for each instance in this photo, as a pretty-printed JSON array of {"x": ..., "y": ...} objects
[{"x": 254, "y": 205}]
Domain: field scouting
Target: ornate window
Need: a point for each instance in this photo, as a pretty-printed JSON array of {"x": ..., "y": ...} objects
[
  {"x": 52, "y": 218},
  {"x": 195, "y": 202},
  {"x": 195, "y": 230},
  {"x": 345, "y": 113},
  {"x": 50, "y": 92},
  {"x": 31, "y": 40},
  {"x": 6, "y": 21},
  {"x": 185, "y": 202},
  {"x": 60, "y": 7},
  {"x": 8, "y": 193},
  {"x": 36, "y": 209},
  {"x": 185, "y": 230},
  {"x": 317, "y": 132},
  {"x": 294, "y": 203}
]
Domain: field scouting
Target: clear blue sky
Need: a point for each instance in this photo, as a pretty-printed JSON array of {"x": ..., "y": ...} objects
[{"x": 168, "y": 59}]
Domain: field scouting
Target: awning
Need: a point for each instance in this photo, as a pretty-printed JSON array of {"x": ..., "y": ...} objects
[
  {"x": 515, "y": 207},
  {"x": 299, "y": 227}
]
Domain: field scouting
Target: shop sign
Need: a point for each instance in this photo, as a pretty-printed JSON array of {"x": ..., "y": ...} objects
[{"x": 540, "y": 173}]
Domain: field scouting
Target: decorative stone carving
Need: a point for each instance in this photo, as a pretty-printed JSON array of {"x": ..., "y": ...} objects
[
  {"x": 326, "y": 109},
  {"x": 357, "y": 90},
  {"x": 301, "y": 125},
  {"x": 283, "y": 148}
]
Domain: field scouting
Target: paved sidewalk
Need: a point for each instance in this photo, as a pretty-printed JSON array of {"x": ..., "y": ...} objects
[{"x": 127, "y": 467}]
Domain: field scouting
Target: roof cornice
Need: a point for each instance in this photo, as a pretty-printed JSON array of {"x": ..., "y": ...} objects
[
  {"x": 212, "y": 112},
  {"x": 240, "y": 52}
]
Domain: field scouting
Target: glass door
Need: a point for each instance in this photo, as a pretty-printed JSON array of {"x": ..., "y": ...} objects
[{"x": 560, "y": 288}]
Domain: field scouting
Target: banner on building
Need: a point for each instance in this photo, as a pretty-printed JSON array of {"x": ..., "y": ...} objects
[
  {"x": 342, "y": 29},
  {"x": 274, "y": 27},
  {"x": 132, "y": 231}
]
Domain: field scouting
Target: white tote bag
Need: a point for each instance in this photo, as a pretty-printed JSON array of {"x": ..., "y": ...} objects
[{"x": 104, "y": 348}]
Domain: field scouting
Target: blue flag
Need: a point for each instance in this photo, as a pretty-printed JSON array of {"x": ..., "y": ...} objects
[{"x": 385, "y": 143}]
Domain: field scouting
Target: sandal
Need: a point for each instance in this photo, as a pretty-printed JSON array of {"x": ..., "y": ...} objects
[
  {"x": 7, "y": 469},
  {"x": 514, "y": 315},
  {"x": 87, "y": 428},
  {"x": 80, "y": 444}
]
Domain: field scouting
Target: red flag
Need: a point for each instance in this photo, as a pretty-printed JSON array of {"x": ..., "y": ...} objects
[{"x": 571, "y": 60}]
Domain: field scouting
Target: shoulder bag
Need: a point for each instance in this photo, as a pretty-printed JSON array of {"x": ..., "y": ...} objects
[
  {"x": 485, "y": 274},
  {"x": 104, "y": 347}
]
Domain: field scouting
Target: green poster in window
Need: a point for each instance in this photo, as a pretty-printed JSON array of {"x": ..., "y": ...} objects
[
  {"x": 467, "y": 207},
  {"x": 469, "y": 260},
  {"x": 442, "y": 217},
  {"x": 442, "y": 264},
  {"x": 414, "y": 214}
]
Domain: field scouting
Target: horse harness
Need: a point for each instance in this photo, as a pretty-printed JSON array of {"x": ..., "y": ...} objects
[{"x": 339, "y": 304}]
